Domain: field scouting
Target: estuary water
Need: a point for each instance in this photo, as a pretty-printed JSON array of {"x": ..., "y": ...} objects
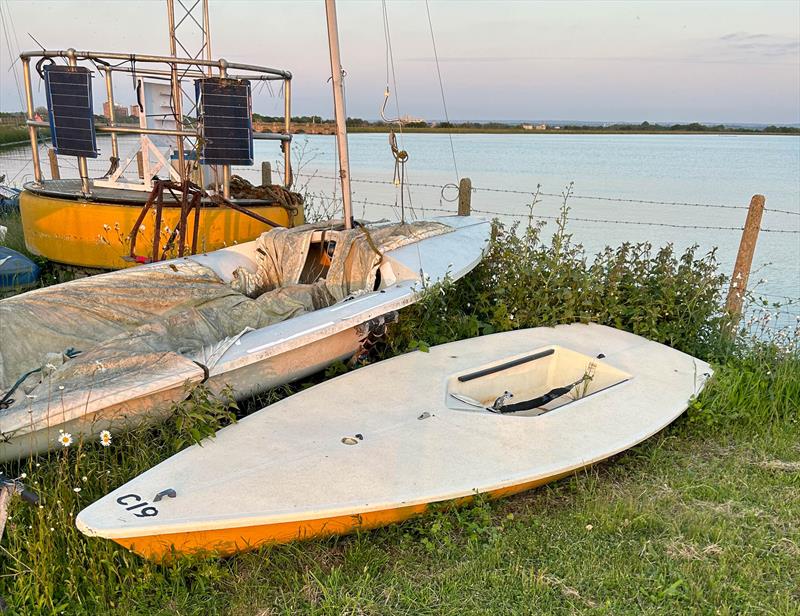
[
  {"x": 624, "y": 171},
  {"x": 613, "y": 178}
]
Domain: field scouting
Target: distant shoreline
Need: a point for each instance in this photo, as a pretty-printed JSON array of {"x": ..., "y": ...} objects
[{"x": 589, "y": 131}]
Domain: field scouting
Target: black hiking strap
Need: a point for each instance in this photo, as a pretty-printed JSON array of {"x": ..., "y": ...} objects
[{"x": 534, "y": 403}]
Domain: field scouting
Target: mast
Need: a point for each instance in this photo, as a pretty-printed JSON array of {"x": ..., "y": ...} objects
[{"x": 339, "y": 111}]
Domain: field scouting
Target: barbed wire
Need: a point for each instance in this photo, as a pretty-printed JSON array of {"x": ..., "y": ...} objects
[
  {"x": 758, "y": 293},
  {"x": 442, "y": 187},
  {"x": 570, "y": 218},
  {"x": 633, "y": 222},
  {"x": 532, "y": 193}
]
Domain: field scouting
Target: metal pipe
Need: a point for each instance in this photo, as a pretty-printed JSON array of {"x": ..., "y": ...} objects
[
  {"x": 134, "y": 130},
  {"x": 207, "y": 33},
  {"x": 272, "y": 136},
  {"x": 287, "y": 121},
  {"x": 26, "y": 76},
  {"x": 226, "y": 181},
  {"x": 188, "y": 73},
  {"x": 177, "y": 93},
  {"x": 339, "y": 110},
  {"x": 93, "y": 55},
  {"x": 226, "y": 169},
  {"x": 177, "y": 96},
  {"x": 111, "y": 112},
  {"x": 171, "y": 22}
]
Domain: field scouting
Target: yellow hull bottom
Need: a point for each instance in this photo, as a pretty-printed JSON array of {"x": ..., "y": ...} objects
[
  {"x": 228, "y": 541},
  {"x": 94, "y": 234}
]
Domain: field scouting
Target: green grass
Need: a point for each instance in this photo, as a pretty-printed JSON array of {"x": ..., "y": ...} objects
[
  {"x": 13, "y": 134},
  {"x": 701, "y": 518}
]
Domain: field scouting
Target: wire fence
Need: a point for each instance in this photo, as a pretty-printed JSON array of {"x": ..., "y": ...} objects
[
  {"x": 533, "y": 194},
  {"x": 534, "y": 214},
  {"x": 448, "y": 193}
]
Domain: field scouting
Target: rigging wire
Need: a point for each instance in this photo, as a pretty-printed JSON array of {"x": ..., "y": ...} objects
[
  {"x": 7, "y": 30},
  {"x": 441, "y": 90},
  {"x": 400, "y": 154}
]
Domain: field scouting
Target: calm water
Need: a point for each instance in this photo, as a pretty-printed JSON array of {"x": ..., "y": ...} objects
[{"x": 725, "y": 170}]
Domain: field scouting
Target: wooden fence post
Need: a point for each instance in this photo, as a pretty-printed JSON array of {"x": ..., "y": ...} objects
[
  {"x": 744, "y": 260},
  {"x": 6, "y": 492},
  {"x": 140, "y": 164},
  {"x": 464, "y": 197},
  {"x": 266, "y": 173},
  {"x": 55, "y": 172}
]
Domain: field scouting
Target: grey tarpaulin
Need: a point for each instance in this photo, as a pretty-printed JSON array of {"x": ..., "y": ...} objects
[{"x": 170, "y": 313}]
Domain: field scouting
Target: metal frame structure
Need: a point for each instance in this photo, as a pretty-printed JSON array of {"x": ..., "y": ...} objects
[{"x": 142, "y": 64}]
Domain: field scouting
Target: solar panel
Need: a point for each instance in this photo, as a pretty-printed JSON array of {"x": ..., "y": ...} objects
[
  {"x": 227, "y": 128},
  {"x": 69, "y": 100}
]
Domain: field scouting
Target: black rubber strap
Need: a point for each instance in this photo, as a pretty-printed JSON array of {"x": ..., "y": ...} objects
[{"x": 500, "y": 367}]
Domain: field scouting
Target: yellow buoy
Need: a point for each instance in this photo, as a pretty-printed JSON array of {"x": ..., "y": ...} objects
[{"x": 94, "y": 233}]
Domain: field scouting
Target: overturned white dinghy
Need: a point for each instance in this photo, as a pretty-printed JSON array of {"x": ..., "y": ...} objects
[
  {"x": 495, "y": 415},
  {"x": 122, "y": 347}
]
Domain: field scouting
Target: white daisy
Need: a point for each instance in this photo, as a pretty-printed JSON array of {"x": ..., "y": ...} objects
[
  {"x": 105, "y": 438},
  {"x": 65, "y": 438}
]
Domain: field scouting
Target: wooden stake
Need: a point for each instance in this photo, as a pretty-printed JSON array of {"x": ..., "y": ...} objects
[
  {"x": 464, "y": 197},
  {"x": 744, "y": 260},
  {"x": 266, "y": 173},
  {"x": 6, "y": 492},
  {"x": 140, "y": 163},
  {"x": 55, "y": 172}
]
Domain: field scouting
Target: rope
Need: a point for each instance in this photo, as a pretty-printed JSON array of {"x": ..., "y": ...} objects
[
  {"x": 400, "y": 158},
  {"x": 390, "y": 70},
  {"x": 8, "y": 35}
]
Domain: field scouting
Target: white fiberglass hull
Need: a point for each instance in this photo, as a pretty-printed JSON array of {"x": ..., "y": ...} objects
[
  {"x": 259, "y": 359},
  {"x": 380, "y": 444}
]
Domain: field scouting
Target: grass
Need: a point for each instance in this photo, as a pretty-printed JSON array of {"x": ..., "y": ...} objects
[
  {"x": 13, "y": 134},
  {"x": 699, "y": 519}
]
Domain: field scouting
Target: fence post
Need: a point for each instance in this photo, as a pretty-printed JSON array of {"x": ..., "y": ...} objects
[
  {"x": 266, "y": 173},
  {"x": 744, "y": 259},
  {"x": 55, "y": 172},
  {"x": 6, "y": 492},
  {"x": 464, "y": 197}
]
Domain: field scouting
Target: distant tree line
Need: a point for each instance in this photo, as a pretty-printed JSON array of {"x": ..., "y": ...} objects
[{"x": 692, "y": 127}]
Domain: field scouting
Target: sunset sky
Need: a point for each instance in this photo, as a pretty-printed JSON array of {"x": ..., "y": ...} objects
[{"x": 616, "y": 61}]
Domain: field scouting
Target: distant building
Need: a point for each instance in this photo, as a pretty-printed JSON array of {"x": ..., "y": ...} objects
[
  {"x": 541, "y": 127},
  {"x": 120, "y": 111},
  {"x": 134, "y": 111},
  {"x": 407, "y": 119},
  {"x": 527, "y": 127}
]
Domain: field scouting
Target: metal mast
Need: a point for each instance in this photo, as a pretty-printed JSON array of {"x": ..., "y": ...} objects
[
  {"x": 339, "y": 111},
  {"x": 193, "y": 40}
]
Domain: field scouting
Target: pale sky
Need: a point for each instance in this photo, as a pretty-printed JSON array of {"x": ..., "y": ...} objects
[{"x": 500, "y": 60}]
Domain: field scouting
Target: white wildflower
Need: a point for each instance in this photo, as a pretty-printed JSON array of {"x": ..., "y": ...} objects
[
  {"x": 76, "y": 489},
  {"x": 65, "y": 439},
  {"x": 105, "y": 438}
]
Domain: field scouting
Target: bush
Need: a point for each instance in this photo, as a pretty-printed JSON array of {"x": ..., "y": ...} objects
[{"x": 525, "y": 282}]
